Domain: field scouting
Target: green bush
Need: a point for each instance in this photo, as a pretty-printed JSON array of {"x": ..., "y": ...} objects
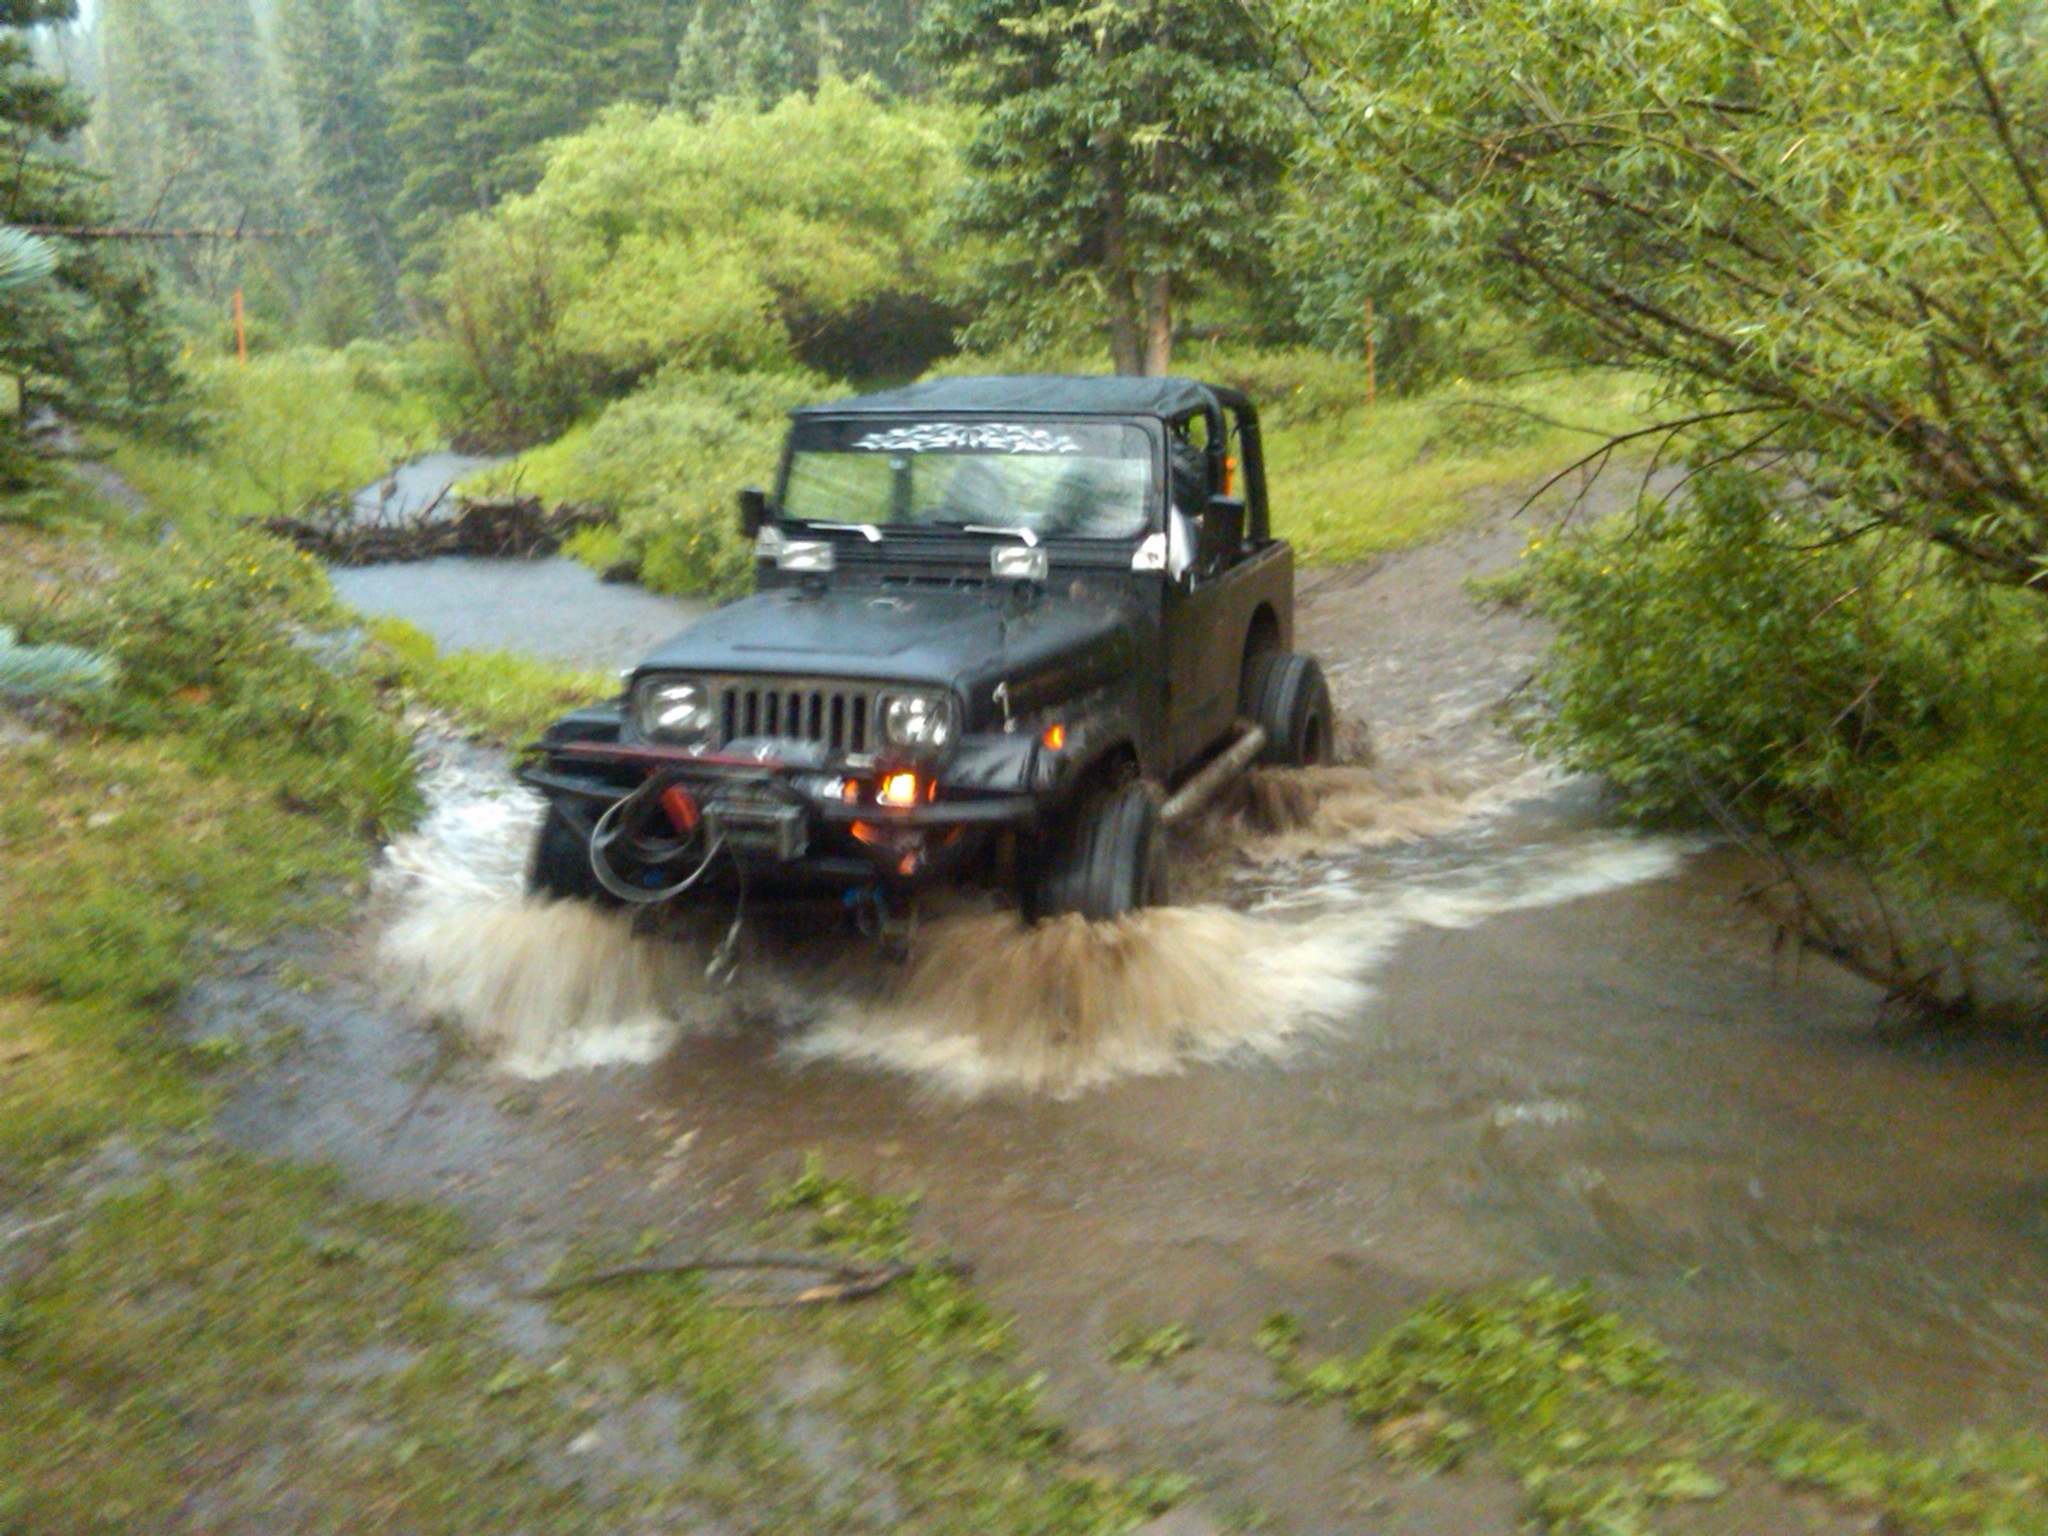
[
  {"x": 500, "y": 696},
  {"x": 667, "y": 462},
  {"x": 290, "y": 430},
  {"x": 1837, "y": 696},
  {"x": 228, "y": 636},
  {"x": 722, "y": 242}
]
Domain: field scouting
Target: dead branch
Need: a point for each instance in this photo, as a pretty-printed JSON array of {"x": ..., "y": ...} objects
[
  {"x": 139, "y": 232},
  {"x": 519, "y": 526},
  {"x": 850, "y": 1281}
]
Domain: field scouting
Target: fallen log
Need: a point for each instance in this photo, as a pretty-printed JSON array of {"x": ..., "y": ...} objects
[{"x": 518, "y": 526}]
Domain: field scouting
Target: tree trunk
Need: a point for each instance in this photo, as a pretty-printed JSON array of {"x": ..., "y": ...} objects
[
  {"x": 1126, "y": 335},
  {"x": 1158, "y": 323},
  {"x": 1119, "y": 286}
]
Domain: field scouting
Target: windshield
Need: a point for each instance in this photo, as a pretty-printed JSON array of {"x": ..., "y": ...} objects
[{"x": 1089, "y": 480}]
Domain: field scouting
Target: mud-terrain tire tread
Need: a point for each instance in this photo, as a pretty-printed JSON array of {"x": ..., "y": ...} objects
[
  {"x": 1287, "y": 694},
  {"x": 1113, "y": 862},
  {"x": 560, "y": 866}
]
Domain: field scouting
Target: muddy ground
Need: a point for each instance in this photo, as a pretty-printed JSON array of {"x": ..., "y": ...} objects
[{"x": 1517, "y": 1040}]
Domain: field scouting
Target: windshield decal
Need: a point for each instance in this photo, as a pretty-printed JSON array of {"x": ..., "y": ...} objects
[{"x": 956, "y": 436}]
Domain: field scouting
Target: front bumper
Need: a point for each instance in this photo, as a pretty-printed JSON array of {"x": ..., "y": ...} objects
[{"x": 797, "y": 822}]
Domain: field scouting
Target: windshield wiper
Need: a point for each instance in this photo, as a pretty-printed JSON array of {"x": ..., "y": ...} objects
[{"x": 1029, "y": 536}]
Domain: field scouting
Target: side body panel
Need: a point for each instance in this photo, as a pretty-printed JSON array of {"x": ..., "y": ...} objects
[{"x": 1207, "y": 626}]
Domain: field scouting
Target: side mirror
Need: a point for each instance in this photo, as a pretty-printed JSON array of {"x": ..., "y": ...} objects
[
  {"x": 755, "y": 513},
  {"x": 1222, "y": 538}
]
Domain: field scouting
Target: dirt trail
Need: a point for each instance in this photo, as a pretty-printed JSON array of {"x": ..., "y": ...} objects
[{"x": 1564, "y": 1057}]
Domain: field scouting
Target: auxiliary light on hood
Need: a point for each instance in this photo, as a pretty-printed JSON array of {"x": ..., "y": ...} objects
[
  {"x": 804, "y": 556},
  {"x": 1017, "y": 562}
]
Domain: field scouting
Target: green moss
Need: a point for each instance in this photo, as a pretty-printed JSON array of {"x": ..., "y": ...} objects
[{"x": 1601, "y": 1426}]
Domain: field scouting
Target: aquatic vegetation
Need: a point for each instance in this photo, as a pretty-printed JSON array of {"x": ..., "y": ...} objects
[
  {"x": 1602, "y": 1426},
  {"x": 1136, "y": 1348}
]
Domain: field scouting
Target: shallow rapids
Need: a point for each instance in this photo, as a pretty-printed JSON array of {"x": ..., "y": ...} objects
[{"x": 982, "y": 1004}]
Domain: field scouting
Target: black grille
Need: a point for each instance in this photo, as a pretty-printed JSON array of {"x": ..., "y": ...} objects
[{"x": 839, "y": 716}]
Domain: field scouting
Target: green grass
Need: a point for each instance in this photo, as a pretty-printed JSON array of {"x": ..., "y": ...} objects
[
  {"x": 499, "y": 696},
  {"x": 1604, "y": 1430},
  {"x": 286, "y": 431},
  {"x": 1364, "y": 479},
  {"x": 251, "y": 1336},
  {"x": 1138, "y": 1348},
  {"x": 127, "y": 863}
]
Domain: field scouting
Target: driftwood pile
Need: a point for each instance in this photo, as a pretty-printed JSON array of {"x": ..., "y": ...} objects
[{"x": 520, "y": 526}]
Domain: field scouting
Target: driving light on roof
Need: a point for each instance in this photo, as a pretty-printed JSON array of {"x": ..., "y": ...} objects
[
  {"x": 1015, "y": 562},
  {"x": 805, "y": 555}
]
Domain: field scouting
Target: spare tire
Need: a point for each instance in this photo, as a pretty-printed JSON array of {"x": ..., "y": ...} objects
[
  {"x": 1286, "y": 694},
  {"x": 1112, "y": 861}
]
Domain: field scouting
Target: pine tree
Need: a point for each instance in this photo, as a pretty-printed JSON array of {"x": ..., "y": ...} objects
[
  {"x": 193, "y": 133},
  {"x": 480, "y": 86},
  {"x": 80, "y": 329},
  {"x": 444, "y": 161},
  {"x": 1133, "y": 145},
  {"x": 345, "y": 151},
  {"x": 771, "y": 61},
  {"x": 704, "y": 69}
]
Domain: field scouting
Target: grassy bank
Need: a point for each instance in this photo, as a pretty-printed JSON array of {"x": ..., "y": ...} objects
[
  {"x": 1365, "y": 479},
  {"x": 251, "y": 1342},
  {"x": 1610, "y": 1436},
  {"x": 188, "y": 1335},
  {"x": 289, "y": 430}
]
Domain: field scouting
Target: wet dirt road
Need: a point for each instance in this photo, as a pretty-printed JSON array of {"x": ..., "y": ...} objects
[{"x": 1547, "y": 1047}]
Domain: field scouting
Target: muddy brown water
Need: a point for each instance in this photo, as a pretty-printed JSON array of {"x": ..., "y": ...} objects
[{"x": 1548, "y": 1047}]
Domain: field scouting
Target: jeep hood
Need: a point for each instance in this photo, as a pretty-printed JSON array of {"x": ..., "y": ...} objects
[{"x": 964, "y": 638}]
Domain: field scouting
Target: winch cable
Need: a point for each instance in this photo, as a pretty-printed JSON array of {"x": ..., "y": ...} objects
[{"x": 605, "y": 833}]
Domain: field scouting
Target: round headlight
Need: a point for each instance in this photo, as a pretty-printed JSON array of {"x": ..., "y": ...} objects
[
  {"x": 918, "y": 720},
  {"x": 674, "y": 709}
]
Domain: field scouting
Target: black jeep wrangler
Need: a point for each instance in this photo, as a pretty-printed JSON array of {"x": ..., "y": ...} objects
[{"x": 997, "y": 620}]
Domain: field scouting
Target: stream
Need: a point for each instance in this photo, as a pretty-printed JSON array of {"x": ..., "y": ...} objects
[{"x": 1522, "y": 1041}]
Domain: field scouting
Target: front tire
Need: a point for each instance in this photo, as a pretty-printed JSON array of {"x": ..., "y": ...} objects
[
  {"x": 560, "y": 867},
  {"x": 1112, "y": 862},
  {"x": 1288, "y": 696}
]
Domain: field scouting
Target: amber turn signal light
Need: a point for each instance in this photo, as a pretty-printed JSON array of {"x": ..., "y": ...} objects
[
  {"x": 1055, "y": 737},
  {"x": 897, "y": 789},
  {"x": 681, "y": 808}
]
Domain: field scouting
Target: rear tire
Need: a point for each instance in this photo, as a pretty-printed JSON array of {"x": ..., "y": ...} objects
[
  {"x": 560, "y": 867},
  {"x": 1287, "y": 695},
  {"x": 1112, "y": 861}
]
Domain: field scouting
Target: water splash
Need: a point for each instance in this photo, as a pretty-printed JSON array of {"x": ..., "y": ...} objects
[{"x": 983, "y": 1004}]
